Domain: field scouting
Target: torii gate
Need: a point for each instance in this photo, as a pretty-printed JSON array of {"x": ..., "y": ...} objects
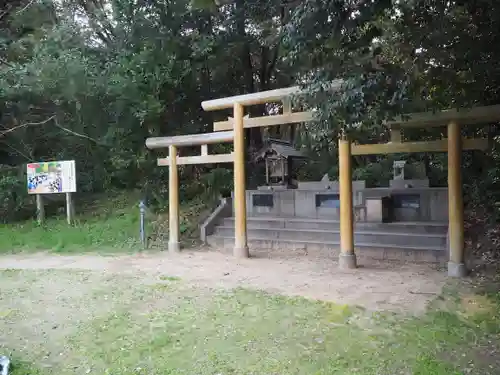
[
  {"x": 172, "y": 143},
  {"x": 454, "y": 145},
  {"x": 237, "y": 136}
]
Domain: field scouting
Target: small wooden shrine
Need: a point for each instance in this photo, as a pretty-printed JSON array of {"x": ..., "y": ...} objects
[{"x": 279, "y": 156}]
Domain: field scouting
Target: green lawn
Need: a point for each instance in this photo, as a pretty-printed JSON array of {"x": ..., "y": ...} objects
[
  {"x": 105, "y": 223},
  {"x": 115, "y": 233},
  {"x": 23, "y": 368},
  {"x": 128, "y": 325},
  {"x": 69, "y": 322}
]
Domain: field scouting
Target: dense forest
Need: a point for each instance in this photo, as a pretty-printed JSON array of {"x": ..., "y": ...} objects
[{"x": 90, "y": 80}]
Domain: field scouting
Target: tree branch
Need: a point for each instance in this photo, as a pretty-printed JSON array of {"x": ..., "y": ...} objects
[
  {"x": 53, "y": 117},
  {"x": 27, "y": 124},
  {"x": 5, "y": 62},
  {"x": 25, "y": 7},
  {"x": 75, "y": 133},
  {"x": 16, "y": 150}
]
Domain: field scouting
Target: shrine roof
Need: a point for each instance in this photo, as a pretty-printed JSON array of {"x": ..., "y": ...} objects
[{"x": 281, "y": 148}]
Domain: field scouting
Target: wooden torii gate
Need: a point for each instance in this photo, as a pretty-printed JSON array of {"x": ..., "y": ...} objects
[
  {"x": 454, "y": 144},
  {"x": 173, "y": 160},
  {"x": 237, "y": 123}
]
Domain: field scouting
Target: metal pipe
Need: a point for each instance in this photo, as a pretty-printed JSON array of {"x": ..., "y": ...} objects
[{"x": 142, "y": 229}]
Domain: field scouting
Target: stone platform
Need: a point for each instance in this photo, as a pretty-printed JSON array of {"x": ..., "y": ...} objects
[{"x": 408, "y": 241}]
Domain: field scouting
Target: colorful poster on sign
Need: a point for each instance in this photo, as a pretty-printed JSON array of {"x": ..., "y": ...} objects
[{"x": 51, "y": 177}]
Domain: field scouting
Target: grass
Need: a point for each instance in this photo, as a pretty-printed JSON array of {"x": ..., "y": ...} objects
[
  {"x": 105, "y": 223},
  {"x": 169, "y": 278},
  {"x": 246, "y": 332},
  {"x": 180, "y": 329},
  {"x": 235, "y": 333},
  {"x": 121, "y": 325},
  {"x": 23, "y": 368}
]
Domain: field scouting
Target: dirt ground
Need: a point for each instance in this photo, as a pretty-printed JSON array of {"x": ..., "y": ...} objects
[{"x": 375, "y": 285}]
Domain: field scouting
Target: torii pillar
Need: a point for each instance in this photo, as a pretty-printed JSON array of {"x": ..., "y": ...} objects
[
  {"x": 456, "y": 265},
  {"x": 174, "y": 245},
  {"x": 240, "y": 210},
  {"x": 347, "y": 257}
]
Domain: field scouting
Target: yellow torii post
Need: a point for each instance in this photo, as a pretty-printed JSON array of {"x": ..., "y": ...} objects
[
  {"x": 240, "y": 207},
  {"x": 174, "y": 244},
  {"x": 173, "y": 160},
  {"x": 347, "y": 257},
  {"x": 456, "y": 265},
  {"x": 454, "y": 145}
]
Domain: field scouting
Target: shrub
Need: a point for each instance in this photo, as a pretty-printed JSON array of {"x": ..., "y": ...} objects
[{"x": 13, "y": 195}]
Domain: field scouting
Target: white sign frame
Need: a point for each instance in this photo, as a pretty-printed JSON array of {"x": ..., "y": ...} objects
[{"x": 53, "y": 177}]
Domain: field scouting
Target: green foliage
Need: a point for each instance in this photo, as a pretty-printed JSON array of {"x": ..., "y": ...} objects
[
  {"x": 13, "y": 196},
  {"x": 218, "y": 181},
  {"x": 94, "y": 89},
  {"x": 398, "y": 57},
  {"x": 375, "y": 174},
  {"x": 334, "y": 40},
  {"x": 22, "y": 368}
]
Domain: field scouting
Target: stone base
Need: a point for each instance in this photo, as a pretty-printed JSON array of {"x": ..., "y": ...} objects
[
  {"x": 457, "y": 269},
  {"x": 347, "y": 261},
  {"x": 174, "y": 247},
  {"x": 241, "y": 252}
]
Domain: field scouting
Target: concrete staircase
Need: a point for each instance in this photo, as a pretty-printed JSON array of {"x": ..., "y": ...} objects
[{"x": 416, "y": 241}]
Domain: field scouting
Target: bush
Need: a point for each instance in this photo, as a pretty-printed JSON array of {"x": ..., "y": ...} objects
[
  {"x": 13, "y": 195},
  {"x": 219, "y": 181},
  {"x": 375, "y": 174}
]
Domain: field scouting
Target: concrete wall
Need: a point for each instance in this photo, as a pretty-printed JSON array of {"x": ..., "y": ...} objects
[
  {"x": 223, "y": 210},
  {"x": 302, "y": 202},
  {"x": 283, "y": 203},
  {"x": 329, "y": 185},
  {"x": 401, "y": 184},
  {"x": 431, "y": 204},
  {"x": 319, "y": 185}
]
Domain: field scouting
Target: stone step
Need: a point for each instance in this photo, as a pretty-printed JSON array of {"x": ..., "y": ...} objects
[
  {"x": 321, "y": 224},
  {"x": 331, "y": 249},
  {"x": 383, "y": 238}
]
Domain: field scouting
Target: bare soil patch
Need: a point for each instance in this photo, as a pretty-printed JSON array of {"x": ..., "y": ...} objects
[{"x": 375, "y": 285}]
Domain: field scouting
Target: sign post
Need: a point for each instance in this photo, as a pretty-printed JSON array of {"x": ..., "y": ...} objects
[
  {"x": 54, "y": 177},
  {"x": 40, "y": 209},
  {"x": 69, "y": 208}
]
